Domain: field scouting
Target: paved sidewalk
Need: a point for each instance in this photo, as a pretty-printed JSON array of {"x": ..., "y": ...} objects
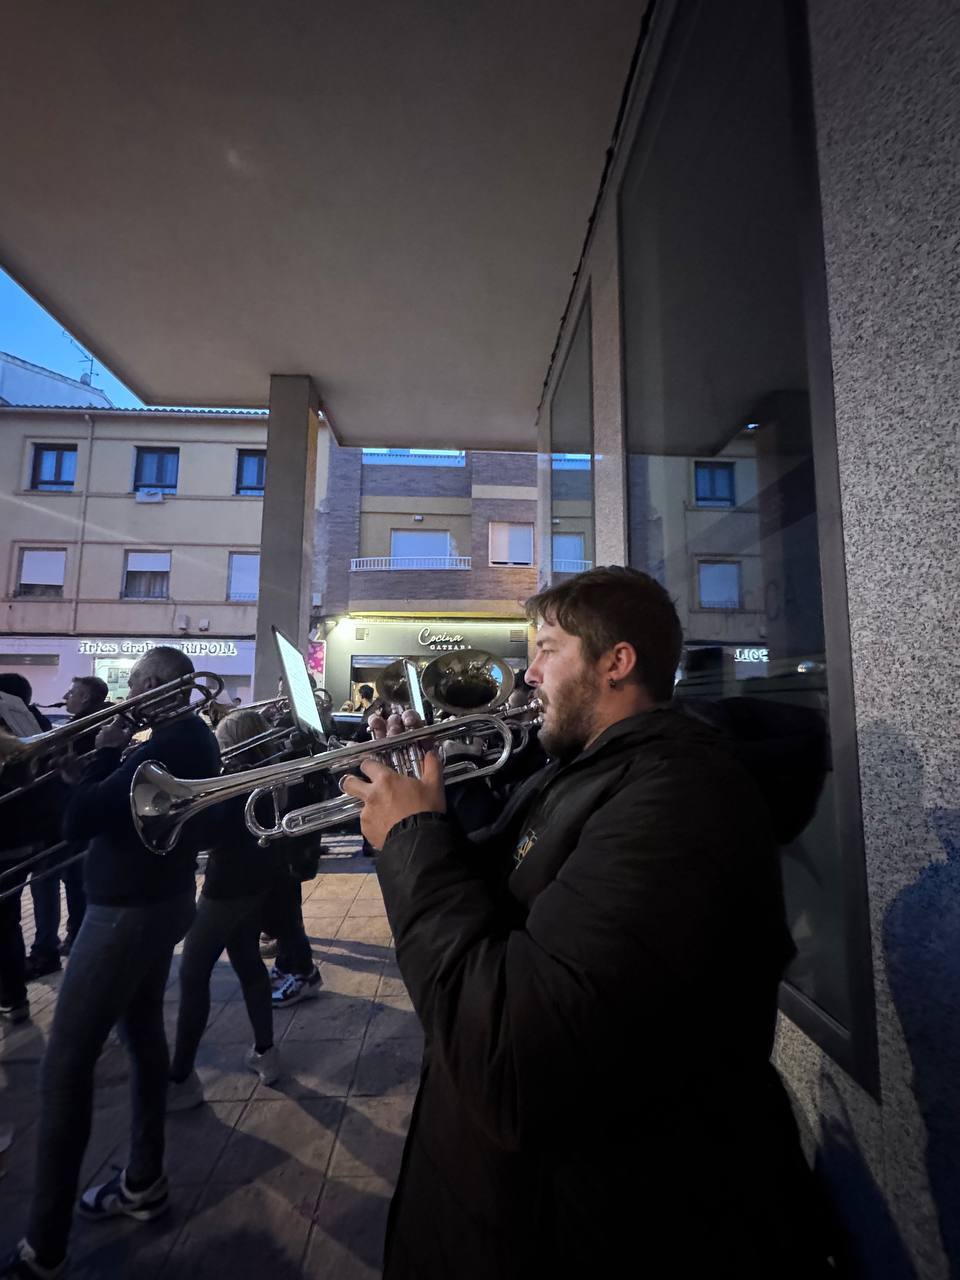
[{"x": 272, "y": 1183}]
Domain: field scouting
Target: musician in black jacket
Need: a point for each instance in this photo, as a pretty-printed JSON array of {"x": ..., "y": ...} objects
[
  {"x": 139, "y": 907},
  {"x": 597, "y": 981}
]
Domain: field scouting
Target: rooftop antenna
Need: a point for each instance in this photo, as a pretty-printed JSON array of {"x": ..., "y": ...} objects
[{"x": 86, "y": 359}]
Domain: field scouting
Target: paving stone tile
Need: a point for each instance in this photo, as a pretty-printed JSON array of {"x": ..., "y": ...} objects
[
  {"x": 347, "y": 1240},
  {"x": 371, "y": 1136},
  {"x": 341, "y": 888},
  {"x": 197, "y": 1138},
  {"x": 231, "y": 1026},
  {"x": 369, "y": 906},
  {"x": 370, "y": 887},
  {"x": 388, "y": 1067},
  {"x": 393, "y": 1018},
  {"x": 391, "y": 983},
  {"x": 366, "y": 929},
  {"x": 244, "y": 1233},
  {"x": 284, "y": 1143},
  {"x": 121, "y": 1248},
  {"x": 222, "y": 1073},
  {"x": 314, "y": 1069},
  {"x": 330, "y": 1017},
  {"x": 19, "y": 1160},
  {"x": 349, "y": 977}
]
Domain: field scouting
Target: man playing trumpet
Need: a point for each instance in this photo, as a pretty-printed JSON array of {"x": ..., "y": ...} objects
[{"x": 586, "y": 1097}]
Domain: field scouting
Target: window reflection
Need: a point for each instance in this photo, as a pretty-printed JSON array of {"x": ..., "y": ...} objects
[
  {"x": 722, "y": 505},
  {"x": 571, "y": 471}
]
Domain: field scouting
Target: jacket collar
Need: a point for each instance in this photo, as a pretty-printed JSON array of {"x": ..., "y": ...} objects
[{"x": 638, "y": 728}]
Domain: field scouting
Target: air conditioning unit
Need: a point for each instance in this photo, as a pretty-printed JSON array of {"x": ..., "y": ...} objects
[{"x": 149, "y": 495}]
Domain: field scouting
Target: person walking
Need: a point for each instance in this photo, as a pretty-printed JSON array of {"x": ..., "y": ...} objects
[
  {"x": 239, "y": 876},
  {"x": 86, "y": 695},
  {"x": 139, "y": 907}
]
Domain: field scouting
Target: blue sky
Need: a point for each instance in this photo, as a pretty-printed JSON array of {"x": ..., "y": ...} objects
[{"x": 31, "y": 333}]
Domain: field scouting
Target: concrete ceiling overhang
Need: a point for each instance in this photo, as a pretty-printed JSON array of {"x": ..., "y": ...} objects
[{"x": 390, "y": 196}]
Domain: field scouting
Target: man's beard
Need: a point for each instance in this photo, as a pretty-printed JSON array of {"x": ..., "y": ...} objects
[{"x": 571, "y": 710}]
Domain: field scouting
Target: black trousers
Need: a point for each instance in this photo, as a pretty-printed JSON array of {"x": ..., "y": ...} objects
[{"x": 283, "y": 919}]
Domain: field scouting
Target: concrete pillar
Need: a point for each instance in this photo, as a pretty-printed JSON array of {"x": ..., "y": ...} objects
[{"x": 286, "y": 540}]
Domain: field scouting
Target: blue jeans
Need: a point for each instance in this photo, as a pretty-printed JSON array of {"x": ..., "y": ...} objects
[{"x": 117, "y": 974}]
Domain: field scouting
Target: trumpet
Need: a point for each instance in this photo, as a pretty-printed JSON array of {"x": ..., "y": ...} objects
[
  {"x": 161, "y": 804},
  {"x": 465, "y": 679},
  {"x": 142, "y": 710}
]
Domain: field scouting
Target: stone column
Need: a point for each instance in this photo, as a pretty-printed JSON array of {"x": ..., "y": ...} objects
[{"x": 286, "y": 540}]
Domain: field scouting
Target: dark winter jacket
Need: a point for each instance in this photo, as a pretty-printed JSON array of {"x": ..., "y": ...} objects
[
  {"x": 597, "y": 982},
  {"x": 119, "y": 869}
]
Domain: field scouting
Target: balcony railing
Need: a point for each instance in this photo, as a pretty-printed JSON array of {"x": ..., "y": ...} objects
[
  {"x": 572, "y": 566},
  {"x": 411, "y": 562}
]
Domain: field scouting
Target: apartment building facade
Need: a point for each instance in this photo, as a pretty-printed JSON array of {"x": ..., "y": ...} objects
[
  {"x": 418, "y": 552},
  {"x": 121, "y": 529}
]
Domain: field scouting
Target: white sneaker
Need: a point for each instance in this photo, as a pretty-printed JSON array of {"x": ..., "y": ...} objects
[
  {"x": 266, "y": 1064},
  {"x": 114, "y": 1199},
  {"x": 184, "y": 1094}
]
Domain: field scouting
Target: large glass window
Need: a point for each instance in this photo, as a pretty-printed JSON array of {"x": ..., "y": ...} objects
[
  {"x": 157, "y": 469},
  {"x": 571, "y": 440},
  {"x": 54, "y": 467},
  {"x": 41, "y": 572},
  {"x": 716, "y": 288},
  {"x": 147, "y": 575}
]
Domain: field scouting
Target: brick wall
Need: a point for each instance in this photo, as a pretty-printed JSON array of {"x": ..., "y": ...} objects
[
  {"x": 338, "y": 532},
  {"x": 504, "y": 468},
  {"x": 337, "y": 535}
]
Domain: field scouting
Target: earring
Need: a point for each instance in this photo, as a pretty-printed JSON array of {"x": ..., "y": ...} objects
[{"x": 612, "y": 683}]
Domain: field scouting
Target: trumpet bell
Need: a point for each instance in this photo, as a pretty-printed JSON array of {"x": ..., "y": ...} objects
[{"x": 467, "y": 680}]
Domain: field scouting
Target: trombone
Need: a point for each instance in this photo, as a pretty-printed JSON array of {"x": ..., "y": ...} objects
[
  {"x": 281, "y": 705},
  {"x": 161, "y": 804},
  {"x": 143, "y": 710}
]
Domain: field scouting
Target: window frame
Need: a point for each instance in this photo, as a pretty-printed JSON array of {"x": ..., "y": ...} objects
[
  {"x": 423, "y": 554},
  {"x": 512, "y": 564},
  {"x": 57, "y": 594},
  {"x": 712, "y": 467},
  {"x": 52, "y": 486},
  {"x": 249, "y": 491},
  {"x": 154, "y": 551},
  {"x": 702, "y": 562},
  {"x": 139, "y": 453},
  {"x": 243, "y": 598}
]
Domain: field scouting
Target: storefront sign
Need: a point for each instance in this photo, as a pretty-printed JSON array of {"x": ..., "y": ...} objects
[
  {"x": 751, "y": 655},
  {"x": 440, "y": 641},
  {"x": 133, "y": 648}
]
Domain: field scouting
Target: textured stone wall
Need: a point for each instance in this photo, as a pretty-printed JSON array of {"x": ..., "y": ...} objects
[{"x": 887, "y": 96}]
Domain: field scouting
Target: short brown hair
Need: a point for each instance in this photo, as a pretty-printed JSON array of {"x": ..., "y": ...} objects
[
  {"x": 614, "y": 605},
  {"x": 96, "y": 689}
]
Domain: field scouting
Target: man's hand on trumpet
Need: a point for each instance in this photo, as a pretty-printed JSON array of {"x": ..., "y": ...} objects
[{"x": 389, "y": 797}]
